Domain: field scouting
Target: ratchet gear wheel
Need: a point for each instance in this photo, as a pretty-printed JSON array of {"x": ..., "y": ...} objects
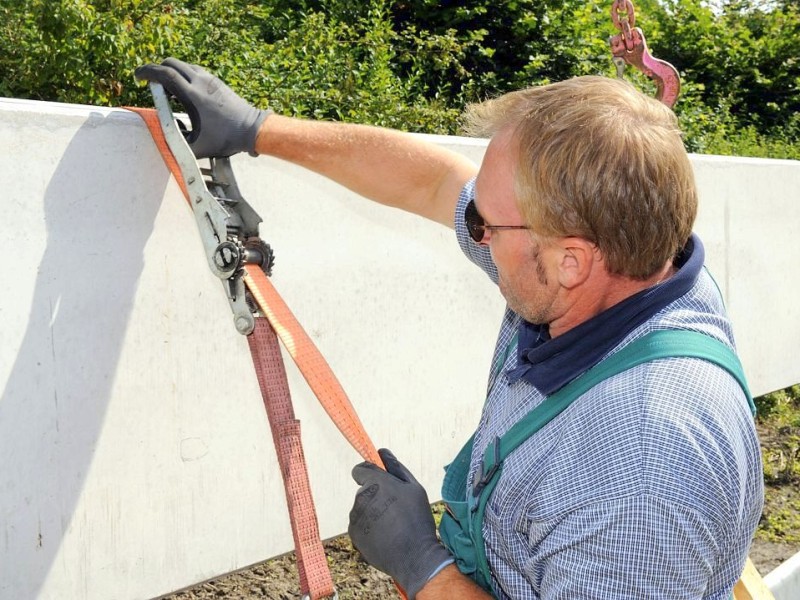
[{"x": 258, "y": 252}]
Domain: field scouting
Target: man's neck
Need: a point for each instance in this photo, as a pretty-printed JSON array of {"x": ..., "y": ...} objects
[{"x": 599, "y": 292}]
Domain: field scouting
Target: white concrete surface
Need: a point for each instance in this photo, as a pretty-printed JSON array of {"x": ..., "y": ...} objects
[
  {"x": 135, "y": 457},
  {"x": 784, "y": 580}
]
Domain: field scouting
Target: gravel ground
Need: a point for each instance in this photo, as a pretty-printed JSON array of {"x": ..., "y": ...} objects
[{"x": 276, "y": 579}]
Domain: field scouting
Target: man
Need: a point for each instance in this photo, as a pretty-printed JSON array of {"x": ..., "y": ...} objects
[{"x": 645, "y": 481}]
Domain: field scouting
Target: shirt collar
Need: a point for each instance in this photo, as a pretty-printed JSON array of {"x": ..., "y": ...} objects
[{"x": 549, "y": 364}]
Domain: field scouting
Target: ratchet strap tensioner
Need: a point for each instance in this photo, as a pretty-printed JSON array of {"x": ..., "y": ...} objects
[{"x": 235, "y": 253}]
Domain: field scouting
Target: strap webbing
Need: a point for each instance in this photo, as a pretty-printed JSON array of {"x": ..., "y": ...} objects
[
  {"x": 315, "y": 369},
  {"x": 315, "y": 578}
]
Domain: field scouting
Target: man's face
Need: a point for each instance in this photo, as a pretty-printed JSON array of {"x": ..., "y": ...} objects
[{"x": 526, "y": 269}]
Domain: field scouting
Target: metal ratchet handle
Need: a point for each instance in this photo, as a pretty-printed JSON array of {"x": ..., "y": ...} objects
[{"x": 219, "y": 226}]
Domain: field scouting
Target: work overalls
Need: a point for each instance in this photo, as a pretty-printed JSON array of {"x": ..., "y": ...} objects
[{"x": 461, "y": 525}]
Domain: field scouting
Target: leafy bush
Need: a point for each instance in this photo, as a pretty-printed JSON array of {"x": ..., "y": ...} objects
[
  {"x": 780, "y": 411},
  {"x": 414, "y": 64},
  {"x": 303, "y": 63},
  {"x": 781, "y": 407},
  {"x": 779, "y": 429},
  {"x": 77, "y": 51}
]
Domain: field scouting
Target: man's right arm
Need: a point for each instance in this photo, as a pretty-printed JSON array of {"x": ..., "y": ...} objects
[
  {"x": 390, "y": 167},
  {"x": 393, "y": 168}
]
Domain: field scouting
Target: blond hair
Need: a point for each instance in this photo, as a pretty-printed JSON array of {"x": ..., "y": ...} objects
[{"x": 598, "y": 160}]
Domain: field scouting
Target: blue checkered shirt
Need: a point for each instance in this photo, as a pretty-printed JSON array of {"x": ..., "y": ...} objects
[{"x": 647, "y": 486}]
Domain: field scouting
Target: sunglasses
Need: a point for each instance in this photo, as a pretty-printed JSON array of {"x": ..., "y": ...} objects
[{"x": 477, "y": 227}]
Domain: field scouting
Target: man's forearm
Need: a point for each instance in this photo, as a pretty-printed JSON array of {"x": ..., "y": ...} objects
[
  {"x": 393, "y": 168},
  {"x": 451, "y": 583}
]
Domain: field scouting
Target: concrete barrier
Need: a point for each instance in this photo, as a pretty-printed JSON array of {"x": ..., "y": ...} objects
[
  {"x": 784, "y": 580},
  {"x": 135, "y": 457}
]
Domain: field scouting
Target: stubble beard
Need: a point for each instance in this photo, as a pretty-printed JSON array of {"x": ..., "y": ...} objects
[{"x": 535, "y": 310}]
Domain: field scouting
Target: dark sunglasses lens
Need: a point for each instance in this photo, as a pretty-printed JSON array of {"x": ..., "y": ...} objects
[{"x": 474, "y": 222}]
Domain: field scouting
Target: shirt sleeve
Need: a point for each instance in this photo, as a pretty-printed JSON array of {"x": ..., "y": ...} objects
[{"x": 478, "y": 254}]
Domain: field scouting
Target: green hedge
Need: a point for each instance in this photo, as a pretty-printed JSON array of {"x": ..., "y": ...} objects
[{"x": 414, "y": 64}]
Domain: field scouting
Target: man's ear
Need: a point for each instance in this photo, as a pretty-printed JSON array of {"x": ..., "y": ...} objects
[{"x": 578, "y": 258}]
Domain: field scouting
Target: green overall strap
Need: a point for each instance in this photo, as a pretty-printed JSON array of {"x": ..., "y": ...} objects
[{"x": 656, "y": 345}]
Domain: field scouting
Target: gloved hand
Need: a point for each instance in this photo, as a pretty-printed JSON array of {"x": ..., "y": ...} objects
[
  {"x": 222, "y": 122},
  {"x": 392, "y": 526}
]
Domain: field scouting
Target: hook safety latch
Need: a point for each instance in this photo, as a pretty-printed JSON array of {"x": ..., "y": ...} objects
[
  {"x": 228, "y": 225},
  {"x": 630, "y": 47}
]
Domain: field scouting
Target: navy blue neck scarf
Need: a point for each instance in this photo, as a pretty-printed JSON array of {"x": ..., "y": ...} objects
[{"x": 549, "y": 364}]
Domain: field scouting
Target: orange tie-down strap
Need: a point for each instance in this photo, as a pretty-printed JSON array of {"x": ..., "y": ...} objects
[
  {"x": 311, "y": 363},
  {"x": 312, "y": 567},
  {"x": 313, "y": 570}
]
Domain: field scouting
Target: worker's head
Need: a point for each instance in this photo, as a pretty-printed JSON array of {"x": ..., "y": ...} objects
[{"x": 597, "y": 159}]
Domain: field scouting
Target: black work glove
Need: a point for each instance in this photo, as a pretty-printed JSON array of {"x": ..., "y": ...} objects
[
  {"x": 222, "y": 122},
  {"x": 391, "y": 524}
]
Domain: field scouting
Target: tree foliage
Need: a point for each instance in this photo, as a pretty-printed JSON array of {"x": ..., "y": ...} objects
[{"x": 414, "y": 64}]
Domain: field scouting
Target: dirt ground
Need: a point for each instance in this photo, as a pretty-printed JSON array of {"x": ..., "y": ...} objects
[{"x": 276, "y": 579}]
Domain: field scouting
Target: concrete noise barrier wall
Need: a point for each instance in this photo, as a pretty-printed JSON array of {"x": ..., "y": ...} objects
[{"x": 135, "y": 456}]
